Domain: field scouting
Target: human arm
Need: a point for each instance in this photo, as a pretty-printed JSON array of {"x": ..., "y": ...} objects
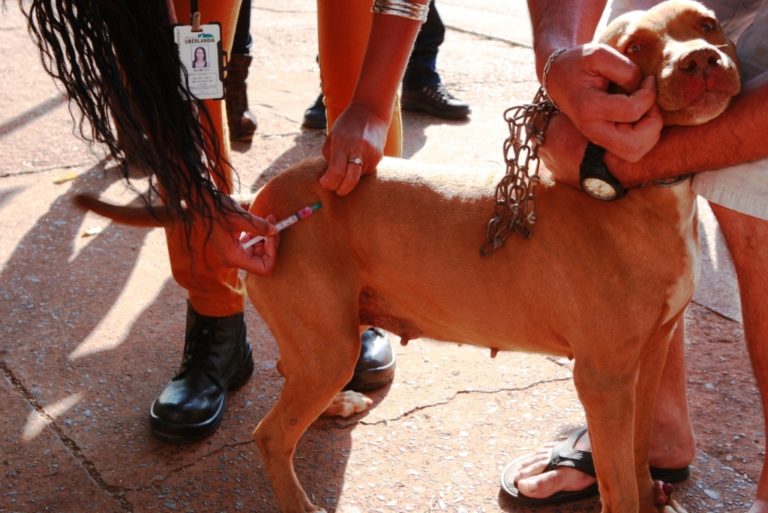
[
  {"x": 361, "y": 130},
  {"x": 578, "y": 79},
  {"x": 737, "y": 136},
  {"x": 231, "y": 226}
]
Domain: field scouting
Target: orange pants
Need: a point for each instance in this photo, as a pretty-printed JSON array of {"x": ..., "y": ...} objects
[
  {"x": 342, "y": 30},
  {"x": 343, "y": 27},
  {"x": 214, "y": 290}
]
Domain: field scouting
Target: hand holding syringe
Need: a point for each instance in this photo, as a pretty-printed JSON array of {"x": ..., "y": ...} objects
[{"x": 285, "y": 223}]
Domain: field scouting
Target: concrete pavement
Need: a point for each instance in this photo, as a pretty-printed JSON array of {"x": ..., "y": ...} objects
[{"x": 91, "y": 322}]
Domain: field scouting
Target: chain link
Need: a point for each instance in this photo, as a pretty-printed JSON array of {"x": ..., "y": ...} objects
[{"x": 514, "y": 209}]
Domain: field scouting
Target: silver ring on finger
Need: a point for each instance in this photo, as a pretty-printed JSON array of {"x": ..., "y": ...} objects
[{"x": 358, "y": 161}]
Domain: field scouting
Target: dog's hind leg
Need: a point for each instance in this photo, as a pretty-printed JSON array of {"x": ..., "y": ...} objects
[{"x": 319, "y": 345}]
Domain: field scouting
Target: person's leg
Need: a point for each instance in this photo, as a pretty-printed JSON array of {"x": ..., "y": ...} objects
[
  {"x": 423, "y": 90},
  {"x": 216, "y": 354},
  {"x": 213, "y": 290},
  {"x": 242, "y": 122},
  {"x": 672, "y": 441},
  {"x": 422, "y": 65},
  {"x": 747, "y": 240},
  {"x": 343, "y": 27}
]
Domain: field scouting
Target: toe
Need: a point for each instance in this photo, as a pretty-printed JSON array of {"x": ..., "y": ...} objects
[{"x": 549, "y": 483}]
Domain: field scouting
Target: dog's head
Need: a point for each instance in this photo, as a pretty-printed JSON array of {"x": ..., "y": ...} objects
[{"x": 681, "y": 43}]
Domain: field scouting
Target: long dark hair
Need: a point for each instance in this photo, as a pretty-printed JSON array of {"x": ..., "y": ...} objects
[{"x": 118, "y": 63}]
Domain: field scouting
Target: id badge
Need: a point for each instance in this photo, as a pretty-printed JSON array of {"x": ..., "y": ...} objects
[{"x": 200, "y": 54}]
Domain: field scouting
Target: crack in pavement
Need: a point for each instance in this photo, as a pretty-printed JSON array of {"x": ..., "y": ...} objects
[
  {"x": 116, "y": 492},
  {"x": 416, "y": 409},
  {"x": 40, "y": 170},
  {"x": 198, "y": 459}
]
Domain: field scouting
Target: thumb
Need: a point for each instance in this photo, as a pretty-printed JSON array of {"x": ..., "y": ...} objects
[{"x": 247, "y": 222}]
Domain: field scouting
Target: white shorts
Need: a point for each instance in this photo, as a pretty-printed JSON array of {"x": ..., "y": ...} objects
[{"x": 743, "y": 188}]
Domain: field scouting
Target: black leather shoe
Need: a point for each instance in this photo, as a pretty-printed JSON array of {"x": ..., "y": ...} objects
[
  {"x": 376, "y": 364},
  {"x": 314, "y": 117},
  {"x": 434, "y": 100},
  {"x": 217, "y": 358}
]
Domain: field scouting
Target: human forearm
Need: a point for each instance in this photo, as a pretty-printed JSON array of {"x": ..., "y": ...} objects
[
  {"x": 359, "y": 136},
  {"x": 389, "y": 47},
  {"x": 558, "y": 24},
  {"x": 739, "y": 135}
]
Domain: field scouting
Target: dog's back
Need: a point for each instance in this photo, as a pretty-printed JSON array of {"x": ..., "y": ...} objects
[{"x": 406, "y": 246}]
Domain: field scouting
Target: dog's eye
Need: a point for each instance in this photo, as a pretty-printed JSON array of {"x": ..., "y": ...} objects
[
  {"x": 634, "y": 48},
  {"x": 708, "y": 25}
]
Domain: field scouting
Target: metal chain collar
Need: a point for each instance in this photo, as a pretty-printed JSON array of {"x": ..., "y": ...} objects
[{"x": 515, "y": 193}]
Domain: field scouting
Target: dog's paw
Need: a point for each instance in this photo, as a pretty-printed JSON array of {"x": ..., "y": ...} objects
[{"x": 347, "y": 403}]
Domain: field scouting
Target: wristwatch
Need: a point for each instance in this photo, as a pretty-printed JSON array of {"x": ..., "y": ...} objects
[{"x": 595, "y": 178}]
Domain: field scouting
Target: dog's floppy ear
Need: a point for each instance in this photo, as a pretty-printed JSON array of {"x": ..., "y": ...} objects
[{"x": 617, "y": 28}]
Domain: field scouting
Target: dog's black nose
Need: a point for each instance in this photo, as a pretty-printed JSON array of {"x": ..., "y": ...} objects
[{"x": 699, "y": 61}]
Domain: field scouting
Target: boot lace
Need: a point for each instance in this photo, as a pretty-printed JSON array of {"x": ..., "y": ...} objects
[{"x": 200, "y": 347}]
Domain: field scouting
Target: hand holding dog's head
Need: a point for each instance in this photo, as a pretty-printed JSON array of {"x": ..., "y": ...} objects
[{"x": 681, "y": 43}]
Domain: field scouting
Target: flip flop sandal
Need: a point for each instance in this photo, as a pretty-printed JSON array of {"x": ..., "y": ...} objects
[{"x": 564, "y": 454}]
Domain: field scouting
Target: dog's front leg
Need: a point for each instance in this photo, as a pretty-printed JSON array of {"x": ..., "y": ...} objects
[
  {"x": 607, "y": 391},
  {"x": 651, "y": 367}
]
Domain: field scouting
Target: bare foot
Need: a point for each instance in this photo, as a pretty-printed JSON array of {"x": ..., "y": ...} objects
[{"x": 531, "y": 479}]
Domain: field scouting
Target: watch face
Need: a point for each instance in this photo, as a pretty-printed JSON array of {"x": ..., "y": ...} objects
[{"x": 598, "y": 188}]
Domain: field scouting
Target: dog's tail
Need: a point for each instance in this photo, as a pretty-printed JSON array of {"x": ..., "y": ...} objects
[
  {"x": 150, "y": 217},
  {"x": 153, "y": 216}
]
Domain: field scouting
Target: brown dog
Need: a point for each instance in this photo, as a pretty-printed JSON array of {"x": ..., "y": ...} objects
[{"x": 604, "y": 283}]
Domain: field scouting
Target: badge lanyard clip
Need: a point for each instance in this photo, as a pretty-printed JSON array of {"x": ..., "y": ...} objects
[{"x": 195, "y": 16}]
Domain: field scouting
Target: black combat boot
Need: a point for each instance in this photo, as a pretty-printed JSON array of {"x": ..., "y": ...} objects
[
  {"x": 241, "y": 121},
  {"x": 217, "y": 358}
]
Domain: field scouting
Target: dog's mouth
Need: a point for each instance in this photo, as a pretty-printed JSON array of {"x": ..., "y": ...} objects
[
  {"x": 701, "y": 109},
  {"x": 693, "y": 98}
]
